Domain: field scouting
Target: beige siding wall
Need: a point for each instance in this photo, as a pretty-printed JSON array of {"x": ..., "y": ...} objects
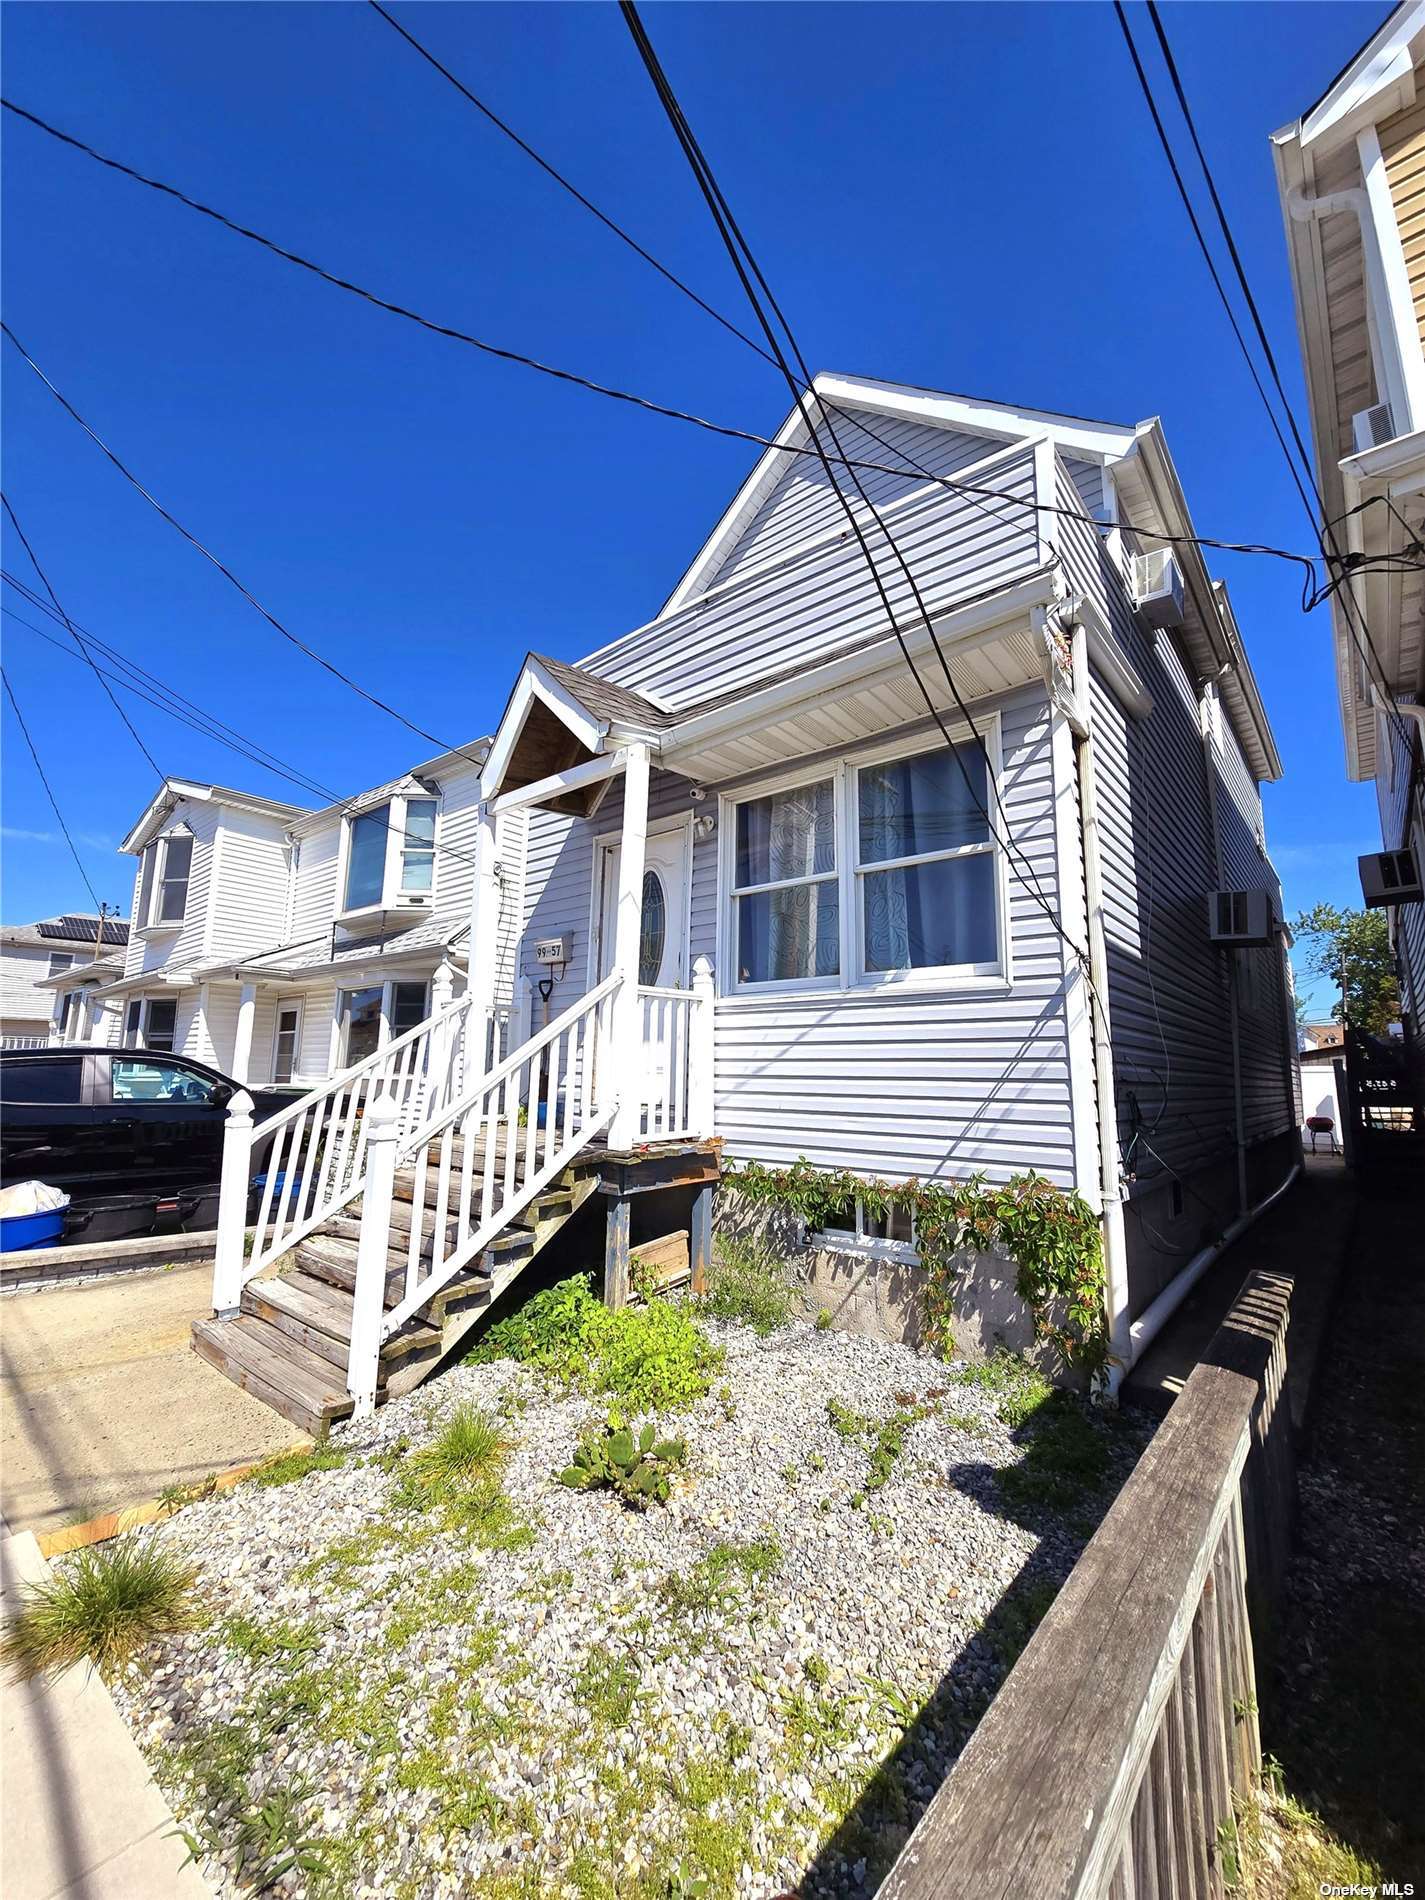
[{"x": 1402, "y": 145}]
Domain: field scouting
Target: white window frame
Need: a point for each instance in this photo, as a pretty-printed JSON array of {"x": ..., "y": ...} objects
[
  {"x": 145, "y": 1003},
  {"x": 394, "y": 895},
  {"x": 156, "y": 870},
  {"x": 876, "y": 1246},
  {"x": 283, "y": 1006},
  {"x": 996, "y": 978},
  {"x": 60, "y": 960}
]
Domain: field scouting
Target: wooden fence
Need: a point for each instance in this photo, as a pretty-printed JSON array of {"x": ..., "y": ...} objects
[{"x": 1106, "y": 1766}]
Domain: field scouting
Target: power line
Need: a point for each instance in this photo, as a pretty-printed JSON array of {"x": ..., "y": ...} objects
[
  {"x": 84, "y": 652},
  {"x": 173, "y": 711},
  {"x": 1319, "y": 525},
  {"x": 226, "y": 572},
  {"x": 573, "y": 190},
  {"x": 49, "y": 790},
  {"x": 738, "y": 249},
  {"x": 727, "y": 430},
  {"x": 143, "y": 683}
]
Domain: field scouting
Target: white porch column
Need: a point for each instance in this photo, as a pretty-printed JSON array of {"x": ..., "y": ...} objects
[
  {"x": 484, "y": 942},
  {"x": 623, "y": 1061},
  {"x": 242, "y": 1041},
  {"x": 232, "y": 1206},
  {"x": 440, "y": 1062},
  {"x": 700, "y": 1047}
]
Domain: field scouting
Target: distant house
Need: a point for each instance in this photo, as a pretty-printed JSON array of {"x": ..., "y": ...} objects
[
  {"x": 1351, "y": 173},
  {"x": 280, "y": 944},
  {"x": 32, "y": 953}
]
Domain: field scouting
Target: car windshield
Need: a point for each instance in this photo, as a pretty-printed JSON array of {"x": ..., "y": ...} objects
[{"x": 139, "y": 1079}]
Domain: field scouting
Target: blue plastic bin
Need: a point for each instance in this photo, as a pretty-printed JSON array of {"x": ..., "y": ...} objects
[{"x": 18, "y": 1231}]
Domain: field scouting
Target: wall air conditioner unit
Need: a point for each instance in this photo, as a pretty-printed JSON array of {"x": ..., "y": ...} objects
[
  {"x": 1391, "y": 877},
  {"x": 1370, "y": 427},
  {"x": 1158, "y": 587},
  {"x": 1240, "y": 917}
]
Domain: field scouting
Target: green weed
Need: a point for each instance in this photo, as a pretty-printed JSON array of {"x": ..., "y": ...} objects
[
  {"x": 748, "y": 1283},
  {"x": 299, "y": 1464},
  {"x": 105, "y": 1605}
]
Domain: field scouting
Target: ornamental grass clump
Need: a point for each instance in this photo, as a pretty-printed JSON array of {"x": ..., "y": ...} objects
[{"x": 104, "y": 1606}]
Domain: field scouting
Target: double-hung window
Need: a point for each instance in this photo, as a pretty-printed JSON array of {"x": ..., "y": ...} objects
[
  {"x": 925, "y": 864},
  {"x": 877, "y": 872},
  {"x": 59, "y": 960},
  {"x": 151, "y": 1022},
  {"x": 786, "y": 900},
  {"x": 163, "y": 881},
  {"x": 390, "y": 855}
]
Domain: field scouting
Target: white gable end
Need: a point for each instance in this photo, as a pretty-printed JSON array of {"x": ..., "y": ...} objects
[{"x": 801, "y": 504}]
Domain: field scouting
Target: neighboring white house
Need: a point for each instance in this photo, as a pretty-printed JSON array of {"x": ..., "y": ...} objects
[
  {"x": 1351, "y": 174},
  {"x": 280, "y": 944},
  {"x": 31, "y": 953}
]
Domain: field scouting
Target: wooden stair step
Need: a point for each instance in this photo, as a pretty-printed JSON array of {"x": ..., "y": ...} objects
[
  {"x": 318, "y": 1315},
  {"x": 305, "y": 1390}
]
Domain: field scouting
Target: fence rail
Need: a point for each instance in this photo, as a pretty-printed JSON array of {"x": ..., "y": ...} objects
[
  {"x": 1105, "y": 1768},
  {"x": 315, "y": 1159},
  {"x": 24, "y": 1042}
]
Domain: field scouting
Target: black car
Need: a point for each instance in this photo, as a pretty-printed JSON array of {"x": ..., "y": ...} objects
[{"x": 133, "y": 1136}]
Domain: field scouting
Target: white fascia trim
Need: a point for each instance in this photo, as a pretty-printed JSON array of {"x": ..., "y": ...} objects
[
  {"x": 1092, "y": 441},
  {"x": 179, "y": 789},
  {"x": 536, "y": 683},
  {"x": 1108, "y": 657},
  {"x": 977, "y": 624},
  {"x": 1384, "y": 64},
  {"x": 1398, "y": 467},
  {"x": 1403, "y": 364}
]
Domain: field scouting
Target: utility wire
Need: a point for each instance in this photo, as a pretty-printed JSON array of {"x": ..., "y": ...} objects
[
  {"x": 173, "y": 711},
  {"x": 84, "y": 652},
  {"x": 1318, "y": 522},
  {"x": 645, "y": 403},
  {"x": 226, "y": 572},
  {"x": 49, "y": 790},
  {"x": 738, "y": 249},
  {"x": 140, "y": 681},
  {"x": 573, "y": 190}
]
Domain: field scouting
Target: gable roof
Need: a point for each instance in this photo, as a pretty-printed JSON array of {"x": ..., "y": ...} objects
[
  {"x": 997, "y": 422},
  {"x": 175, "y": 791}
]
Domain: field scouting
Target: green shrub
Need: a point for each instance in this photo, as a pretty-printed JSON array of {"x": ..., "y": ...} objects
[
  {"x": 653, "y": 1358},
  {"x": 104, "y": 1605},
  {"x": 822, "y": 1321},
  {"x": 749, "y": 1284},
  {"x": 636, "y": 1467}
]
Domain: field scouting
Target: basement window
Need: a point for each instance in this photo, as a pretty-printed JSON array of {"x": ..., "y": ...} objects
[{"x": 855, "y": 1228}]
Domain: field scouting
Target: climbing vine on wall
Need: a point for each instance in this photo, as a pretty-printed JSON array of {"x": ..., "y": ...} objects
[{"x": 1052, "y": 1236}]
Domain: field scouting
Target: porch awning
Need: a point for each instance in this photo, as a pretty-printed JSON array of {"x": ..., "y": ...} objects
[{"x": 562, "y": 718}]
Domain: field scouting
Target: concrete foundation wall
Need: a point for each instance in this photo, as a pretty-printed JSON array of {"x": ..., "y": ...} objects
[{"x": 881, "y": 1297}]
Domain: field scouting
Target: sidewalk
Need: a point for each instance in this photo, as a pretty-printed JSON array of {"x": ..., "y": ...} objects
[
  {"x": 104, "y": 1402},
  {"x": 80, "y": 1815}
]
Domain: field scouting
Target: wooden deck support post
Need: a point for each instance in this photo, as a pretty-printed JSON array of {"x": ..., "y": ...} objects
[
  {"x": 616, "y": 1252},
  {"x": 232, "y": 1206},
  {"x": 625, "y": 1063},
  {"x": 363, "y": 1363},
  {"x": 700, "y": 1238}
]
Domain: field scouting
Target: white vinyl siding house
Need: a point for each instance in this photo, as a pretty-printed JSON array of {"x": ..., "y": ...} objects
[{"x": 899, "y": 999}]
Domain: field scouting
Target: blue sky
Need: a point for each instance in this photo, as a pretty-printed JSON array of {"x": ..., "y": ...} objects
[{"x": 962, "y": 196}]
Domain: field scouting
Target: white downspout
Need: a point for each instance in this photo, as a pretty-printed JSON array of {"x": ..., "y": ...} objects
[
  {"x": 1115, "y": 1245},
  {"x": 1209, "y": 784}
]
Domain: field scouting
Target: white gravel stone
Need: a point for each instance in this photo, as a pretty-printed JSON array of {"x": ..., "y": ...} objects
[{"x": 458, "y": 1754}]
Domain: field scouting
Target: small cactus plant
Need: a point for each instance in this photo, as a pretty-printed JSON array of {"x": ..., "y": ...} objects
[{"x": 635, "y": 1465}]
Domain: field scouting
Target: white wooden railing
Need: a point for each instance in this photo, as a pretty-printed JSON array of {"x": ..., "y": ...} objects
[
  {"x": 24, "y": 1042},
  {"x": 668, "y": 1108},
  {"x": 475, "y": 1167},
  {"x": 316, "y": 1147}
]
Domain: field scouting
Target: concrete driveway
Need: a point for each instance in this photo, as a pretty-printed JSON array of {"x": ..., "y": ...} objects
[{"x": 102, "y": 1403}]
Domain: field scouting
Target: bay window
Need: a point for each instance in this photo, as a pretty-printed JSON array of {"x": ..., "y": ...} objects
[
  {"x": 390, "y": 856},
  {"x": 877, "y": 872}
]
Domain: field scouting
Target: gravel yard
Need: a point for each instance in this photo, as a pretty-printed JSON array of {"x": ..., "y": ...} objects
[{"x": 753, "y": 1689}]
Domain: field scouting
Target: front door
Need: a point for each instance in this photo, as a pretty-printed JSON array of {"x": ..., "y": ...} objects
[{"x": 662, "y": 944}]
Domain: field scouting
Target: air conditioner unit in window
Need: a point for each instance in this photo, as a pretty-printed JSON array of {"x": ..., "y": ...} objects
[
  {"x": 1370, "y": 427},
  {"x": 1240, "y": 917},
  {"x": 1158, "y": 587},
  {"x": 1391, "y": 877}
]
